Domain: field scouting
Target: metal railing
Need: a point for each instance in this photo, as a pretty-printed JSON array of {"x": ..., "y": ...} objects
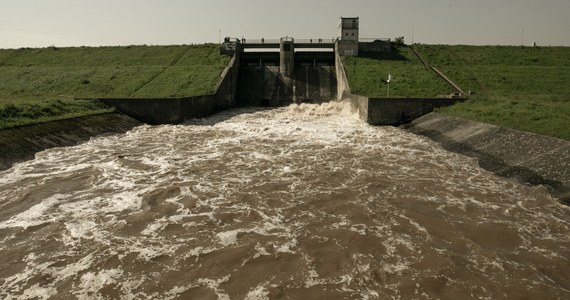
[
  {"x": 277, "y": 41},
  {"x": 303, "y": 41},
  {"x": 260, "y": 41},
  {"x": 316, "y": 41}
]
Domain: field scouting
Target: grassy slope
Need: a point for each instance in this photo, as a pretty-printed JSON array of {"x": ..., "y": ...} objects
[
  {"x": 410, "y": 78},
  {"x": 37, "y": 84},
  {"x": 522, "y": 88},
  {"x": 24, "y": 112}
]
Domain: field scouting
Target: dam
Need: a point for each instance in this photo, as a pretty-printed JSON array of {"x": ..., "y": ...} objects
[
  {"x": 267, "y": 189},
  {"x": 278, "y": 72},
  {"x": 295, "y": 73}
]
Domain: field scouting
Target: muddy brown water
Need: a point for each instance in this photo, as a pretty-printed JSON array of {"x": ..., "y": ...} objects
[{"x": 296, "y": 202}]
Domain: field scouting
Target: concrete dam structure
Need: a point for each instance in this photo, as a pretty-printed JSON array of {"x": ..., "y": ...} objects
[
  {"x": 260, "y": 73},
  {"x": 277, "y": 72},
  {"x": 295, "y": 74}
]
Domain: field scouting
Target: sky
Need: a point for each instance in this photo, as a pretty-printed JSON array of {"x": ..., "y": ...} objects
[{"x": 43, "y": 23}]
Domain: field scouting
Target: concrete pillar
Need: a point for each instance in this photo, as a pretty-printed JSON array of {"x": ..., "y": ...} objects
[
  {"x": 286, "y": 56},
  {"x": 286, "y": 63}
]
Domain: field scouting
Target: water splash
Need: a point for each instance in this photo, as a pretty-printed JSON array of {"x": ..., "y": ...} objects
[{"x": 304, "y": 200}]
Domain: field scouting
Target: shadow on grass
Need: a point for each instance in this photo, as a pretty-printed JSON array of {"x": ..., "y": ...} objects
[{"x": 394, "y": 55}]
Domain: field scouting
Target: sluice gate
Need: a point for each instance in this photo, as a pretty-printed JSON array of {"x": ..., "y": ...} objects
[{"x": 275, "y": 74}]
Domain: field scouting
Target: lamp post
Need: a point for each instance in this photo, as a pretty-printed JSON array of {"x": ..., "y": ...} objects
[{"x": 388, "y": 81}]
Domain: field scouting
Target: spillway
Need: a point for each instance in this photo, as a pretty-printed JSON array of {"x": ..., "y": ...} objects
[{"x": 303, "y": 201}]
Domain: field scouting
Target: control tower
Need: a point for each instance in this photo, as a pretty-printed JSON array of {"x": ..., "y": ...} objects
[{"x": 348, "y": 36}]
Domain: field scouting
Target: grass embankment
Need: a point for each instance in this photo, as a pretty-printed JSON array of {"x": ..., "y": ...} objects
[
  {"x": 518, "y": 87},
  {"x": 38, "y": 85},
  {"x": 367, "y": 75}
]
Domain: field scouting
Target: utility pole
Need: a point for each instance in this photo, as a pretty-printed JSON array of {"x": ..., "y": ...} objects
[{"x": 413, "y": 35}]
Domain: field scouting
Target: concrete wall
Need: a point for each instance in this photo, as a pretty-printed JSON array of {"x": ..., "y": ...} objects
[
  {"x": 343, "y": 87},
  {"x": 165, "y": 110},
  {"x": 375, "y": 46},
  {"x": 347, "y": 48},
  {"x": 385, "y": 111},
  {"x": 176, "y": 110},
  {"x": 527, "y": 157},
  {"x": 315, "y": 83},
  {"x": 22, "y": 143},
  {"x": 263, "y": 84},
  {"x": 394, "y": 111},
  {"x": 359, "y": 104}
]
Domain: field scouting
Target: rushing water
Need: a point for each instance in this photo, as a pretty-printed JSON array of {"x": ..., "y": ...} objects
[{"x": 297, "y": 202}]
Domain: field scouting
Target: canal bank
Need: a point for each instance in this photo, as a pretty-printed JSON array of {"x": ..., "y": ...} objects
[
  {"x": 22, "y": 143},
  {"x": 529, "y": 158}
]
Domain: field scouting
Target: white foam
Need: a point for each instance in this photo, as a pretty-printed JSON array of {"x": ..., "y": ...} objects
[
  {"x": 228, "y": 237},
  {"x": 92, "y": 282},
  {"x": 313, "y": 279},
  {"x": 258, "y": 293},
  {"x": 73, "y": 269},
  {"x": 36, "y": 215},
  {"x": 127, "y": 200},
  {"x": 261, "y": 251},
  {"x": 261, "y": 156},
  {"x": 148, "y": 252},
  {"x": 200, "y": 251},
  {"x": 286, "y": 248},
  {"x": 155, "y": 228},
  {"x": 215, "y": 286},
  {"x": 37, "y": 292},
  {"x": 80, "y": 230}
]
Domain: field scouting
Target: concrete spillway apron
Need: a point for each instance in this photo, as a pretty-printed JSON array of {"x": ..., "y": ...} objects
[{"x": 530, "y": 158}]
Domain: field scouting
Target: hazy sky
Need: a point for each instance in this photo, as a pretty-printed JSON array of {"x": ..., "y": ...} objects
[{"x": 41, "y": 23}]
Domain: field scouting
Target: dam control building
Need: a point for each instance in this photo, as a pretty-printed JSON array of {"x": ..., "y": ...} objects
[{"x": 348, "y": 36}]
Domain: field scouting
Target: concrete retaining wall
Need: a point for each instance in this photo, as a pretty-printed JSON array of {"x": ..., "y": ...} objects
[
  {"x": 177, "y": 110},
  {"x": 343, "y": 87},
  {"x": 375, "y": 46},
  {"x": 385, "y": 111},
  {"x": 528, "y": 157},
  {"x": 22, "y": 143},
  {"x": 394, "y": 111}
]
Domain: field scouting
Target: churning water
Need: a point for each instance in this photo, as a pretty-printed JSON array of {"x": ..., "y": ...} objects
[{"x": 297, "y": 202}]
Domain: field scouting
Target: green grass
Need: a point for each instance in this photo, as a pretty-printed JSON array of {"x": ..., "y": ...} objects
[
  {"x": 36, "y": 81},
  {"x": 26, "y": 112},
  {"x": 410, "y": 78},
  {"x": 517, "y": 87}
]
